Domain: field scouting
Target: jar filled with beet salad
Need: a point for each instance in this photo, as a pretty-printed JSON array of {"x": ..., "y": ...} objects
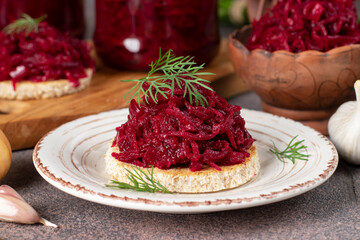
[
  {"x": 65, "y": 15},
  {"x": 129, "y": 33}
]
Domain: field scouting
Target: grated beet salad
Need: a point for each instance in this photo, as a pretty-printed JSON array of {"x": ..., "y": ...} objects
[
  {"x": 299, "y": 25},
  {"x": 44, "y": 55},
  {"x": 174, "y": 133}
]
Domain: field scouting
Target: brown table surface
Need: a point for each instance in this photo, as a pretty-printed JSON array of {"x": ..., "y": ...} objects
[{"x": 330, "y": 211}]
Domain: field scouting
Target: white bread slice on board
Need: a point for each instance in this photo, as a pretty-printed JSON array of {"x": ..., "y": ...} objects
[
  {"x": 26, "y": 90},
  {"x": 182, "y": 180}
]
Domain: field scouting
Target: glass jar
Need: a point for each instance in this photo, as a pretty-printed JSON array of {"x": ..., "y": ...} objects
[
  {"x": 129, "y": 33},
  {"x": 66, "y": 15}
]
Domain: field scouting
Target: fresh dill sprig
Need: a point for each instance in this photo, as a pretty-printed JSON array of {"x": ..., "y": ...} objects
[
  {"x": 181, "y": 71},
  {"x": 26, "y": 23},
  {"x": 142, "y": 181},
  {"x": 291, "y": 152}
]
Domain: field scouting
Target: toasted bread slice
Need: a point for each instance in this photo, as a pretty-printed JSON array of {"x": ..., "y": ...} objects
[
  {"x": 26, "y": 90},
  {"x": 183, "y": 180}
]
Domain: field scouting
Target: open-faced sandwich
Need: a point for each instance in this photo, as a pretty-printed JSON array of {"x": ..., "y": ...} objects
[
  {"x": 38, "y": 61},
  {"x": 192, "y": 139}
]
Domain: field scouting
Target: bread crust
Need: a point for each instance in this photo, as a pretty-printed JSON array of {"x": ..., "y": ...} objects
[
  {"x": 26, "y": 90},
  {"x": 183, "y": 180}
]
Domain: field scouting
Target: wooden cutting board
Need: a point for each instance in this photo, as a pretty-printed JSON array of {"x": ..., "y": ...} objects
[{"x": 25, "y": 122}]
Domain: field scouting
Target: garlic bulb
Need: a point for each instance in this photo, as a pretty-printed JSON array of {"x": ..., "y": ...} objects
[
  {"x": 5, "y": 155},
  {"x": 344, "y": 128},
  {"x": 13, "y": 208}
]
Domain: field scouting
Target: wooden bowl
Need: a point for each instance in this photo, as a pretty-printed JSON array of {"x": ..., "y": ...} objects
[{"x": 307, "y": 86}]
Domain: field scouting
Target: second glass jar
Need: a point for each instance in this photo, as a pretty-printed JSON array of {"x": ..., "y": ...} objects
[{"x": 129, "y": 33}]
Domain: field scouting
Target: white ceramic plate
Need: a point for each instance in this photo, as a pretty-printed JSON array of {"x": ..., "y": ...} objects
[{"x": 71, "y": 159}]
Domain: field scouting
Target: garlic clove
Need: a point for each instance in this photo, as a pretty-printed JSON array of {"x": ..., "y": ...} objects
[
  {"x": 344, "y": 128},
  {"x": 13, "y": 208},
  {"x": 5, "y": 189},
  {"x": 16, "y": 210}
]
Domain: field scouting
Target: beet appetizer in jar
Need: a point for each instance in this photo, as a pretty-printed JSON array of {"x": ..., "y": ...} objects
[{"x": 129, "y": 33}]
